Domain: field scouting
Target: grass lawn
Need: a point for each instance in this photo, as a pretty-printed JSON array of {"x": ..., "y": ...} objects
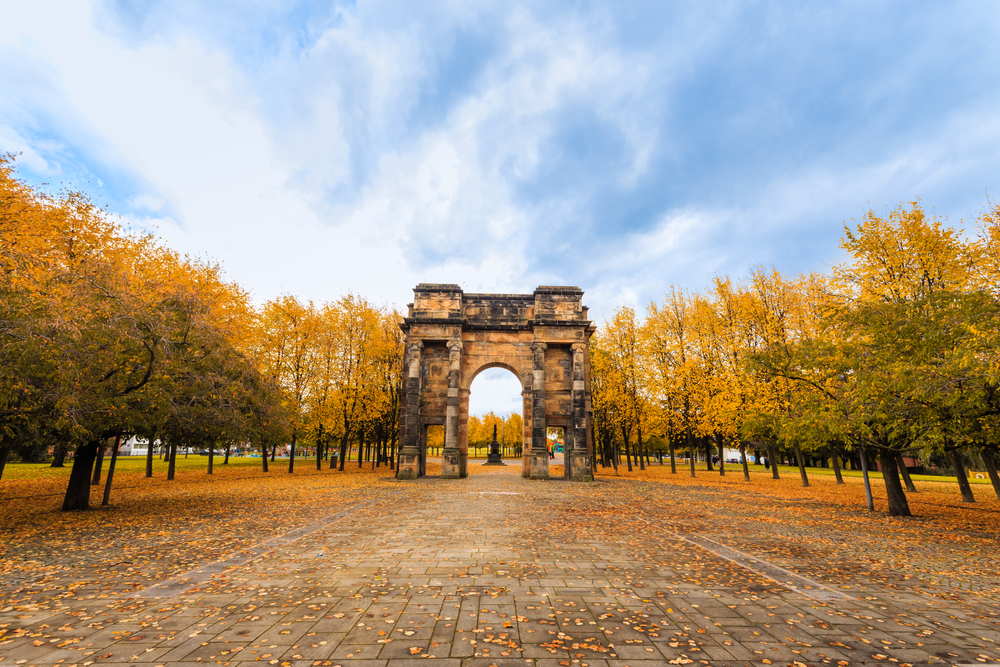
[
  {"x": 784, "y": 470},
  {"x": 194, "y": 463},
  {"x": 874, "y": 474},
  {"x": 130, "y": 464}
]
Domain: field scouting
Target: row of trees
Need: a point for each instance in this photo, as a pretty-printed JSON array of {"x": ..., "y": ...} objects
[
  {"x": 339, "y": 366},
  {"x": 510, "y": 432},
  {"x": 106, "y": 333},
  {"x": 893, "y": 352}
]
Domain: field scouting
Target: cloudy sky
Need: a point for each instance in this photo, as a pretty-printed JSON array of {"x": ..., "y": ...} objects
[{"x": 319, "y": 148}]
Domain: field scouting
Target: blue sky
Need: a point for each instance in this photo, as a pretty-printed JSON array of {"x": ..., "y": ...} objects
[{"x": 319, "y": 148}]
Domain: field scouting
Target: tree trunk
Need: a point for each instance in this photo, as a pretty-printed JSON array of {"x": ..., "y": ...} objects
[
  {"x": 991, "y": 468},
  {"x": 625, "y": 444},
  {"x": 864, "y": 475},
  {"x": 111, "y": 471},
  {"x": 638, "y": 445},
  {"x": 746, "y": 464},
  {"x": 211, "y": 457},
  {"x": 98, "y": 464},
  {"x": 291, "y": 452},
  {"x": 4, "y": 453},
  {"x": 361, "y": 452},
  {"x": 691, "y": 452},
  {"x": 673, "y": 458},
  {"x": 229, "y": 446},
  {"x": 319, "y": 448},
  {"x": 894, "y": 490},
  {"x": 149, "y": 454},
  {"x": 719, "y": 441},
  {"x": 836, "y": 466},
  {"x": 274, "y": 451},
  {"x": 343, "y": 450},
  {"x": 773, "y": 460},
  {"x": 392, "y": 450},
  {"x": 78, "y": 489},
  {"x": 963, "y": 480},
  {"x": 905, "y": 473},
  {"x": 59, "y": 458},
  {"x": 802, "y": 464},
  {"x": 172, "y": 465},
  {"x": 263, "y": 448},
  {"x": 708, "y": 454}
]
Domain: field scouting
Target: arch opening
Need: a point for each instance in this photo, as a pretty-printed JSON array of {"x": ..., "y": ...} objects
[{"x": 496, "y": 398}]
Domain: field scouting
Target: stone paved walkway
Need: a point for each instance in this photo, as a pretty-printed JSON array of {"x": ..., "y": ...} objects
[{"x": 497, "y": 570}]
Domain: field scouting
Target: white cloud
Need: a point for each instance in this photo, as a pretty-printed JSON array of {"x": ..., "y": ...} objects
[
  {"x": 12, "y": 142},
  {"x": 151, "y": 203},
  {"x": 358, "y": 161}
]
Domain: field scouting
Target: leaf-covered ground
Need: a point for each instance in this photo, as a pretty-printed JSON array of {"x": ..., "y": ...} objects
[{"x": 357, "y": 569}]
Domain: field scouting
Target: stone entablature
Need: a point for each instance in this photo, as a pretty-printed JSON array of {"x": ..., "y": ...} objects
[{"x": 543, "y": 338}]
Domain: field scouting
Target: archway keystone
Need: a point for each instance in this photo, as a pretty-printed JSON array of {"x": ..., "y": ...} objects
[{"x": 543, "y": 338}]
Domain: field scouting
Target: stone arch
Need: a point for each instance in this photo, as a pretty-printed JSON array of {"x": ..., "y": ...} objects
[
  {"x": 451, "y": 337},
  {"x": 469, "y": 378}
]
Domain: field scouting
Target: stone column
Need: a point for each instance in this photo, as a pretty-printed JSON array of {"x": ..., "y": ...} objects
[
  {"x": 463, "y": 430},
  {"x": 539, "y": 441},
  {"x": 578, "y": 458},
  {"x": 526, "y": 400},
  {"x": 451, "y": 463},
  {"x": 409, "y": 453}
]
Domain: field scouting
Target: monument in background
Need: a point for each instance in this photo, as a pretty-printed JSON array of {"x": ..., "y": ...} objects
[{"x": 451, "y": 337}]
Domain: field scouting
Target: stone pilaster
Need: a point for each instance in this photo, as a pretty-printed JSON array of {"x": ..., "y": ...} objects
[
  {"x": 409, "y": 453},
  {"x": 452, "y": 464},
  {"x": 539, "y": 441},
  {"x": 526, "y": 400},
  {"x": 578, "y": 458}
]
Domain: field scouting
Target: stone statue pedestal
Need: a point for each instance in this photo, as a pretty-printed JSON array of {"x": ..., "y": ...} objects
[{"x": 494, "y": 458}]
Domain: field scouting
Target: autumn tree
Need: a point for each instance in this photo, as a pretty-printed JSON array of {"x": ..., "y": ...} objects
[
  {"x": 104, "y": 332},
  {"x": 669, "y": 349},
  {"x": 289, "y": 355}
]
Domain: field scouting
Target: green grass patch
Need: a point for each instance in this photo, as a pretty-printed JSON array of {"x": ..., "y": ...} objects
[
  {"x": 132, "y": 464},
  {"x": 873, "y": 474}
]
